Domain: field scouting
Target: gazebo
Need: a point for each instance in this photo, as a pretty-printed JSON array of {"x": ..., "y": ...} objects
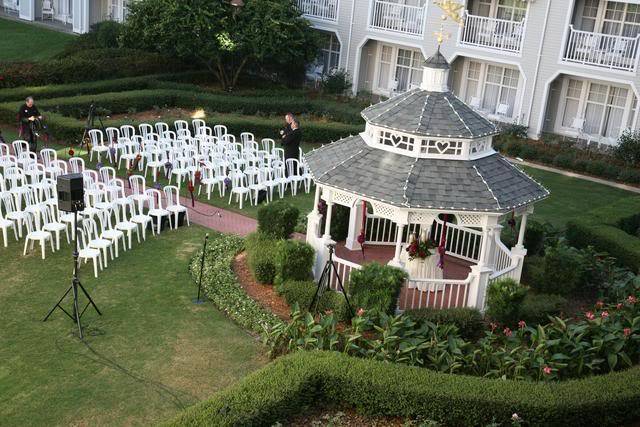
[{"x": 424, "y": 164}]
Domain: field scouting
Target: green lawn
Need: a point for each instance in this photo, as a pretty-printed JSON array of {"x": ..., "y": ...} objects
[
  {"x": 27, "y": 42},
  {"x": 151, "y": 354},
  {"x": 571, "y": 197}
]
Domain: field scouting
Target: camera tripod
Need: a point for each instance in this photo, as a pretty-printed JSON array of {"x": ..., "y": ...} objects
[
  {"x": 76, "y": 285},
  {"x": 91, "y": 119},
  {"x": 324, "y": 282}
]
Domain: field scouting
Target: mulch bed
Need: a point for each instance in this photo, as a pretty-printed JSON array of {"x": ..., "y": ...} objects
[{"x": 265, "y": 295}]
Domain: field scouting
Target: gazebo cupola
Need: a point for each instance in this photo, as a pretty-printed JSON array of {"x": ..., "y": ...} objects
[{"x": 425, "y": 161}]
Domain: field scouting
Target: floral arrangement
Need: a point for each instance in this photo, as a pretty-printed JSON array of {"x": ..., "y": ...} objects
[{"x": 420, "y": 247}]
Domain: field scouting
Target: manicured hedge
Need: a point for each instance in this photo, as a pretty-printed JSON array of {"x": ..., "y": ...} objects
[
  {"x": 601, "y": 228},
  {"x": 309, "y": 380},
  {"x": 85, "y": 66}
]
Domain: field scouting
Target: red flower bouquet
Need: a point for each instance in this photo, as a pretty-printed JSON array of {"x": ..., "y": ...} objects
[{"x": 420, "y": 248}]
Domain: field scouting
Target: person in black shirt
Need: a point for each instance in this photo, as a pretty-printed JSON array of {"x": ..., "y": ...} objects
[
  {"x": 291, "y": 143},
  {"x": 27, "y": 116}
]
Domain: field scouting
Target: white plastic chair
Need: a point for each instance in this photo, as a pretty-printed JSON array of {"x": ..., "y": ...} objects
[
  {"x": 98, "y": 145},
  {"x": 155, "y": 208},
  {"x": 172, "y": 195},
  {"x": 5, "y": 223},
  {"x": 86, "y": 252},
  {"x": 35, "y": 233},
  {"x": 51, "y": 223},
  {"x": 238, "y": 187}
]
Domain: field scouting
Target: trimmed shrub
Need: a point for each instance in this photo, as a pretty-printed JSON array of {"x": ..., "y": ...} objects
[
  {"x": 301, "y": 292},
  {"x": 221, "y": 285},
  {"x": 628, "y": 148},
  {"x": 376, "y": 287},
  {"x": 292, "y": 384},
  {"x": 536, "y": 308},
  {"x": 563, "y": 270},
  {"x": 101, "y": 35},
  {"x": 261, "y": 257},
  {"x": 468, "y": 320},
  {"x": 336, "y": 82},
  {"x": 504, "y": 300},
  {"x": 277, "y": 219},
  {"x": 294, "y": 261}
]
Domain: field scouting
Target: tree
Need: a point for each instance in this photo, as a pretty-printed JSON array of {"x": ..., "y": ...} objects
[{"x": 264, "y": 34}]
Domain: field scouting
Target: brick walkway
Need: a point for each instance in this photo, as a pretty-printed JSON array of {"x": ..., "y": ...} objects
[{"x": 218, "y": 219}]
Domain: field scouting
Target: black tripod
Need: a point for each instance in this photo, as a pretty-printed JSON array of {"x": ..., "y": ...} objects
[
  {"x": 91, "y": 119},
  {"x": 323, "y": 283},
  {"x": 75, "y": 285}
]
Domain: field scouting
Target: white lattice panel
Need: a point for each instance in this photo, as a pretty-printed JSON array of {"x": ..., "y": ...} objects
[
  {"x": 441, "y": 147},
  {"x": 383, "y": 210},
  {"x": 344, "y": 199},
  {"x": 421, "y": 218},
  {"x": 476, "y": 220},
  {"x": 479, "y": 146}
]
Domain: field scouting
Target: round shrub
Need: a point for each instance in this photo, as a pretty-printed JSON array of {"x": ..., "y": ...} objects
[
  {"x": 534, "y": 236},
  {"x": 376, "y": 287},
  {"x": 468, "y": 320},
  {"x": 536, "y": 308},
  {"x": 277, "y": 219},
  {"x": 564, "y": 160},
  {"x": 294, "y": 261},
  {"x": 301, "y": 292},
  {"x": 528, "y": 152},
  {"x": 628, "y": 148},
  {"x": 261, "y": 257},
  {"x": 504, "y": 298},
  {"x": 563, "y": 268}
]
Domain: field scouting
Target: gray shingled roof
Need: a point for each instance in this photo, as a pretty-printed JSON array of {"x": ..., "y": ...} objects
[
  {"x": 425, "y": 113},
  {"x": 437, "y": 61},
  {"x": 487, "y": 184}
]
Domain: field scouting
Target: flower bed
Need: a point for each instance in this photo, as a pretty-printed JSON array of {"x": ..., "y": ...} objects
[
  {"x": 294, "y": 383},
  {"x": 221, "y": 286}
]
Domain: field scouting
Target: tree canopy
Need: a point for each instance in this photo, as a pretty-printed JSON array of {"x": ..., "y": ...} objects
[{"x": 263, "y": 35}]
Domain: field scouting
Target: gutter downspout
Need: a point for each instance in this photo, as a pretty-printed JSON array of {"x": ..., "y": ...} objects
[
  {"x": 535, "y": 75},
  {"x": 355, "y": 78}
]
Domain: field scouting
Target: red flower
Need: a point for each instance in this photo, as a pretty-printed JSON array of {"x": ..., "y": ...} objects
[
  {"x": 604, "y": 314},
  {"x": 626, "y": 332},
  {"x": 507, "y": 332},
  {"x": 589, "y": 315},
  {"x": 522, "y": 324},
  {"x": 71, "y": 152},
  {"x": 360, "y": 312},
  {"x": 619, "y": 306},
  {"x": 599, "y": 304},
  {"x": 547, "y": 370},
  {"x": 632, "y": 299}
]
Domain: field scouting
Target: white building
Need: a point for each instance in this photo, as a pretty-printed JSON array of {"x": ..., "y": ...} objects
[{"x": 564, "y": 66}]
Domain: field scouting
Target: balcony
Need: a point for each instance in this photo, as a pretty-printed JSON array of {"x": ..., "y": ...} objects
[
  {"x": 492, "y": 33},
  {"x": 326, "y": 10},
  {"x": 602, "y": 50},
  {"x": 397, "y": 18}
]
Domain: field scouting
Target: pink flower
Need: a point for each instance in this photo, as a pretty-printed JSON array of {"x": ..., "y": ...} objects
[
  {"x": 507, "y": 332},
  {"x": 547, "y": 370},
  {"x": 493, "y": 326},
  {"x": 626, "y": 332},
  {"x": 619, "y": 306},
  {"x": 360, "y": 312},
  {"x": 522, "y": 324},
  {"x": 632, "y": 299},
  {"x": 589, "y": 315},
  {"x": 604, "y": 314},
  {"x": 599, "y": 304}
]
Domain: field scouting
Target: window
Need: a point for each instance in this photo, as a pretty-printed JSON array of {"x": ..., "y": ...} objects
[
  {"x": 495, "y": 86},
  {"x": 481, "y": 8},
  {"x": 399, "y": 69},
  {"x": 589, "y": 15},
  {"x": 621, "y": 19},
  {"x": 330, "y": 52},
  {"x": 572, "y": 105},
  {"x": 512, "y": 10}
]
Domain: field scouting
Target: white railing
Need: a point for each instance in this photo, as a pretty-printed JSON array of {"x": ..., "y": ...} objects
[
  {"x": 503, "y": 259},
  {"x": 319, "y": 9},
  {"x": 508, "y": 273},
  {"x": 344, "y": 269},
  {"x": 461, "y": 242},
  {"x": 602, "y": 50},
  {"x": 492, "y": 33},
  {"x": 434, "y": 293},
  {"x": 382, "y": 231},
  {"x": 397, "y": 18}
]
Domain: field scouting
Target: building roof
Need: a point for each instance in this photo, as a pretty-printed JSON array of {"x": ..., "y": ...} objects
[
  {"x": 424, "y": 113},
  {"x": 490, "y": 184},
  {"x": 437, "y": 60}
]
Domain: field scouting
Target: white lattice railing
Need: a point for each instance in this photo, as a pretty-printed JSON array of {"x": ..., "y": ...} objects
[
  {"x": 602, "y": 50},
  {"x": 344, "y": 269},
  {"x": 320, "y": 9},
  {"x": 434, "y": 293},
  {"x": 397, "y": 18},
  {"x": 492, "y": 33}
]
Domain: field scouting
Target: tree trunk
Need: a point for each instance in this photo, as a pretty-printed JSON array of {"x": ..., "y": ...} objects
[{"x": 236, "y": 76}]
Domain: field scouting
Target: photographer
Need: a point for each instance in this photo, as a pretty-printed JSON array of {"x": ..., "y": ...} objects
[
  {"x": 291, "y": 143},
  {"x": 27, "y": 117}
]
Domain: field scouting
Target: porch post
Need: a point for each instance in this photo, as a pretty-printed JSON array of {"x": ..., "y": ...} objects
[
  {"x": 478, "y": 286},
  {"x": 327, "y": 221},
  {"x": 316, "y": 200},
  {"x": 523, "y": 227},
  {"x": 355, "y": 226},
  {"x": 396, "y": 257},
  {"x": 313, "y": 219}
]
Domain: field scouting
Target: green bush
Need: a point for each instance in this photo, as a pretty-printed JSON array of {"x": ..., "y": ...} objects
[
  {"x": 563, "y": 270},
  {"x": 277, "y": 219},
  {"x": 101, "y": 35},
  {"x": 536, "y": 308},
  {"x": 336, "y": 82},
  {"x": 294, "y": 261},
  {"x": 504, "y": 300},
  {"x": 301, "y": 292},
  {"x": 376, "y": 287},
  {"x": 221, "y": 285},
  {"x": 468, "y": 320},
  {"x": 291, "y": 385},
  {"x": 628, "y": 148},
  {"x": 261, "y": 257}
]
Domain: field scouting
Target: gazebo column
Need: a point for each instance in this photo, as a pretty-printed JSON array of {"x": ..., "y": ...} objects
[
  {"x": 523, "y": 227},
  {"x": 481, "y": 272},
  {"x": 327, "y": 221},
  {"x": 314, "y": 219},
  {"x": 355, "y": 226},
  {"x": 395, "y": 262},
  {"x": 518, "y": 252}
]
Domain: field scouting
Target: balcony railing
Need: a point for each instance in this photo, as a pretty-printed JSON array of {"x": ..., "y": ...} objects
[
  {"x": 492, "y": 33},
  {"x": 319, "y": 9},
  {"x": 397, "y": 18},
  {"x": 602, "y": 50}
]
